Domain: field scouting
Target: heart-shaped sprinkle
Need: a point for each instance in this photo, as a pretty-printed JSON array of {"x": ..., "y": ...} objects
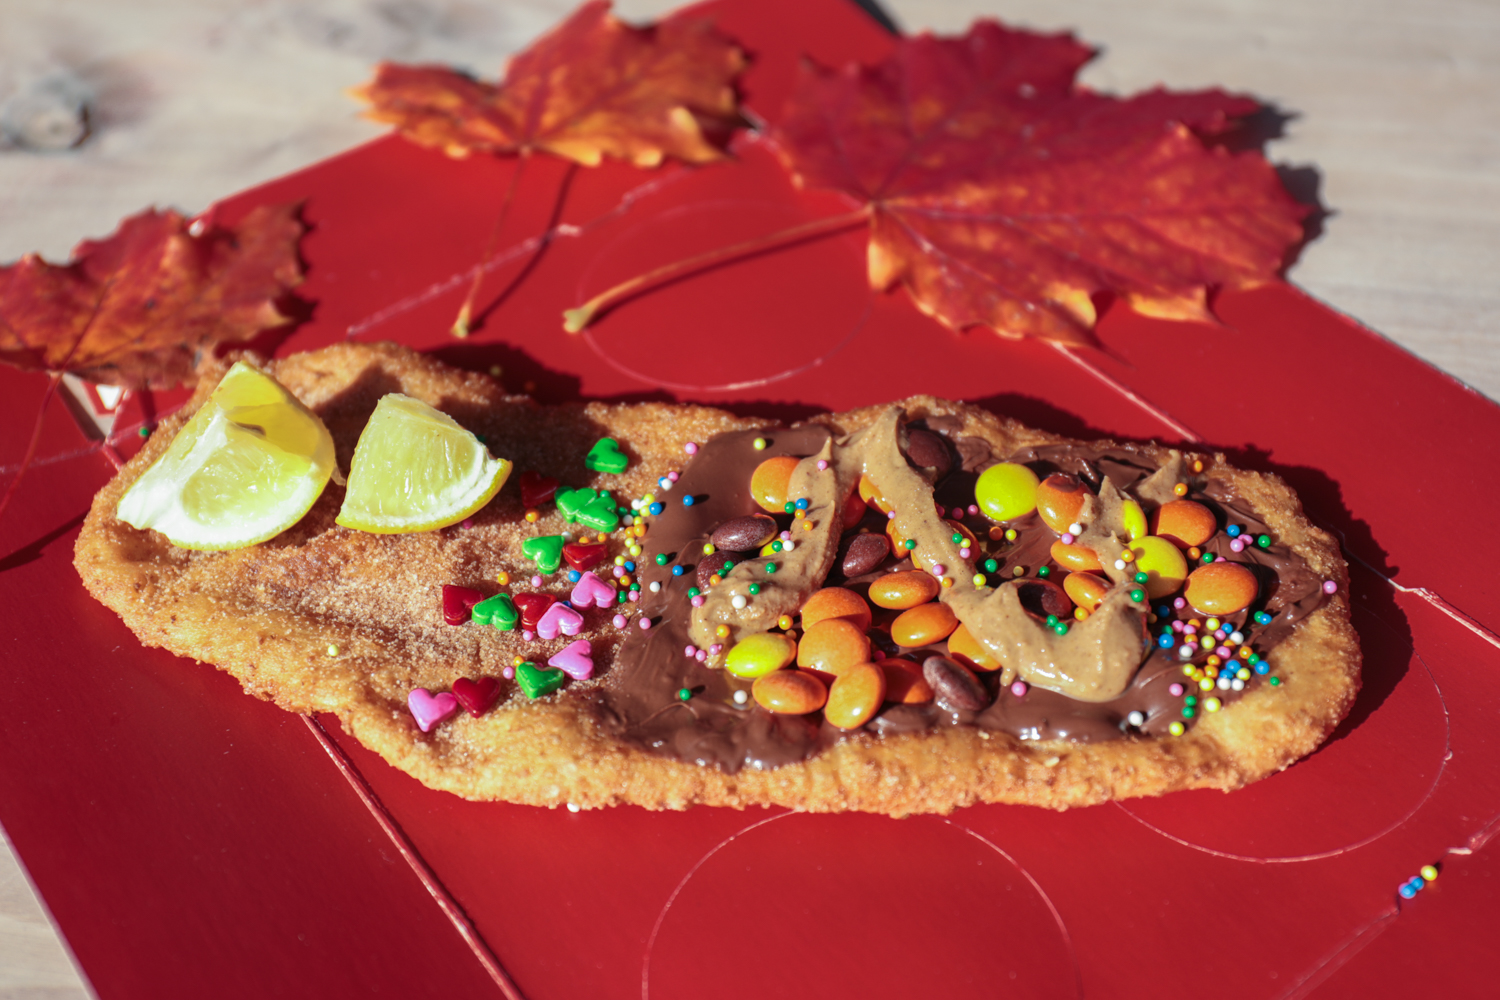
[
  {"x": 537, "y": 681},
  {"x": 559, "y": 619},
  {"x": 545, "y": 551},
  {"x": 576, "y": 659},
  {"x": 499, "y": 611},
  {"x": 590, "y": 591},
  {"x": 582, "y": 556},
  {"x": 606, "y": 456},
  {"x": 429, "y": 709},
  {"x": 536, "y": 489},
  {"x": 594, "y": 508},
  {"x": 477, "y": 697},
  {"x": 532, "y": 607},
  {"x": 457, "y": 603}
]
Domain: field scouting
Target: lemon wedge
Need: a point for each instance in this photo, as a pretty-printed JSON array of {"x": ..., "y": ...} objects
[
  {"x": 416, "y": 469},
  {"x": 245, "y": 468}
]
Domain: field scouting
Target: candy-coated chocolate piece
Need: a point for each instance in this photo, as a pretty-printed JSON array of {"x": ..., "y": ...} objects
[
  {"x": 904, "y": 683},
  {"x": 537, "y": 680},
  {"x": 499, "y": 611},
  {"x": 429, "y": 709},
  {"x": 871, "y": 496},
  {"x": 1006, "y": 491},
  {"x": 1163, "y": 564},
  {"x": 559, "y": 620},
  {"x": 968, "y": 540},
  {"x": 458, "y": 603},
  {"x": 532, "y": 607},
  {"x": 789, "y": 692},
  {"x": 760, "y": 654},
  {"x": 545, "y": 551},
  {"x": 864, "y": 553},
  {"x": 836, "y": 602},
  {"x": 1184, "y": 522},
  {"x": 1085, "y": 589},
  {"x": 606, "y": 456},
  {"x": 832, "y": 646},
  {"x": 1078, "y": 558},
  {"x": 854, "y": 510},
  {"x": 594, "y": 508},
  {"x": 923, "y": 625},
  {"x": 582, "y": 555},
  {"x": 536, "y": 489},
  {"x": 1220, "y": 588},
  {"x": 1043, "y": 598},
  {"x": 590, "y": 592},
  {"x": 964, "y": 648},
  {"x": 855, "y": 696},
  {"x": 744, "y": 534},
  {"x": 1134, "y": 519},
  {"x": 576, "y": 659},
  {"x": 769, "y": 482},
  {"x": 1059, "y": 498},
  {"x": 899, "y": 591},
  {"x": 477, "y": 697},
  {"x": 954, "y": 687},
  {"x": 929, "y": 450}
]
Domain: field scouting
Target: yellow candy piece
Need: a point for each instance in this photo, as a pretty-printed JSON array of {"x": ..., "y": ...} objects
[
  {"x": 760, "y": 654},
  {"x": 1163, "y": 564},
  {"x": 1006, "y": 491},
  {"x": 1135, "y": 521}
]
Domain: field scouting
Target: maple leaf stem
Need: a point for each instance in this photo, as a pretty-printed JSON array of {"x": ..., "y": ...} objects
[
  {"x": 575, "y": 320},
  {"x": 36, "y": 437},
  {"x": 461, "y": 327}
]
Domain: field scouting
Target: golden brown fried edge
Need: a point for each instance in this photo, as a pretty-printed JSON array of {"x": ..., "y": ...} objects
[{"x": 324, "y": 619}]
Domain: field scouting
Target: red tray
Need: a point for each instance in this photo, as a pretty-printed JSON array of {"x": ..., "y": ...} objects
[{"x": 192, "y": 841}]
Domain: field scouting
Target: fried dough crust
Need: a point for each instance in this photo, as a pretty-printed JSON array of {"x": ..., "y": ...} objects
[{"x": 273, "y": 614}]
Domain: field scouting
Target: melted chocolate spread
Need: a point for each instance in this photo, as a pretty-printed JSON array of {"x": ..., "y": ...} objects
[{"x": 638, "y": 702}]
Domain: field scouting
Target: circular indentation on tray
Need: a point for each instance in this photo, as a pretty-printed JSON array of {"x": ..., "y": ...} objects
[
  {"x": 747, "y": 322},
  {"x": 854, "y": 905},
  {"x": 1369, "y": 778}
]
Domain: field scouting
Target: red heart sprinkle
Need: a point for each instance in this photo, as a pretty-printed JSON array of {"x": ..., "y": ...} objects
[
  {"x": 536, "y": 489},
  {"x": 477, "y": 697},
  {"x": 532, "y": 607},
  {"x": 458, "y": 602},
  {"x": 581, "y": 556}
]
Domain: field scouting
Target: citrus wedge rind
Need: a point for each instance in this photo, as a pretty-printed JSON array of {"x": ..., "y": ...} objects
[
  {"x": 247, "y": 466},
  {"x": 416, "y": 469}
]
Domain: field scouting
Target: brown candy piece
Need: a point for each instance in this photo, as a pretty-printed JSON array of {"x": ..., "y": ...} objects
[
  {"x": 953, "y": 686},
  {"x": 1043, "y": 598},
  {"x": 718, "y": 562},
  {"x": 928, "y": 450},
  {"x": 744, "y": 533},
  {"x": 865, "y": 553}
]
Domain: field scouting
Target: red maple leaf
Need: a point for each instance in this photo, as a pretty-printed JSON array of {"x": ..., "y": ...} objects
[
  {"x": 592, "y": 87},
  {"x": 1003, "y": 195}
]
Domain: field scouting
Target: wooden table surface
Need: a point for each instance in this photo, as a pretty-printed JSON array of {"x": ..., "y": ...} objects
[{"x": 1392, "y": 121}]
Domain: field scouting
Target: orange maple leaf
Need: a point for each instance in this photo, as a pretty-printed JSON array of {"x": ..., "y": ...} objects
[
  {"x": 592, "y": 87},
  {"x": 141, "y": 307},
  {"x": 1002, "y": 195}
]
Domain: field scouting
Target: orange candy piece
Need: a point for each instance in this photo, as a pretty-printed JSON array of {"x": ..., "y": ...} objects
[
  {"x": 770, "y": 480},
  {"x": 1059, "y": 498},
  {"x": 789, "y": 692},
  {"x": 1085, "y": 589},
  {"x": 855, "y": 697},
  {"x": 963, "y": 647},
  {"x": 1078, "y": 558},
  {"x": 923, "y": 625},
  {"x": 833, "y": 646},
  {"x": 870, "y": 495},
  {"x": 1185, "y": 523},
  {"x": 1221, "y": 588},
  {"x": 969, "y": 539},
  {"x": 904, "y": 590},
  {"x": 836, "y": 602},
  {"x": 904, "y": 683}
]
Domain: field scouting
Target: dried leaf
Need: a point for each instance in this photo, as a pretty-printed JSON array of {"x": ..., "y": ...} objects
[
  {"x": 1002, "y": 194},
  {"x": 592, "y": 87},
  {"x": 139, "y": 308}
]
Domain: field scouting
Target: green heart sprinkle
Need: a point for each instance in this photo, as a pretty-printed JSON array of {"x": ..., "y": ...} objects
[
  {"x": 545, "y": 551},
  {"x": 499, "y": 611},
  {"x": 594, "y": 508},
  {"x": 606, "y": 456},
  {"x": 537, "y": 681}
]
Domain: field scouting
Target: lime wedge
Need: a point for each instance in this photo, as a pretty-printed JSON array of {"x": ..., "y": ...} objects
[{"x": 416, "y": 469}]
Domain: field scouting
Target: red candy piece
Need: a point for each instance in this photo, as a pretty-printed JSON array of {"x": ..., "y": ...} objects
[
  {"x": 532, "y": 607},
  {"x": 477, "y": 697},
  {"x": 536, "y": 489},
  {"x": 458, "y": 602},
  {"x": 581, "y": 556}
]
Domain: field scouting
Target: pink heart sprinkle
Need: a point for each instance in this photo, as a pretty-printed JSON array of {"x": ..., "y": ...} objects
[
  {"x": 559, "y": 619},
  {"x": 429, "y": 709},
  {"x": 590, "y": 591},
  {"x": 575, "y": 659}
]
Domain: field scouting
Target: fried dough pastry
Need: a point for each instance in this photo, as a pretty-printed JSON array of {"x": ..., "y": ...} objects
[{"x": 331, "y": 620}]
